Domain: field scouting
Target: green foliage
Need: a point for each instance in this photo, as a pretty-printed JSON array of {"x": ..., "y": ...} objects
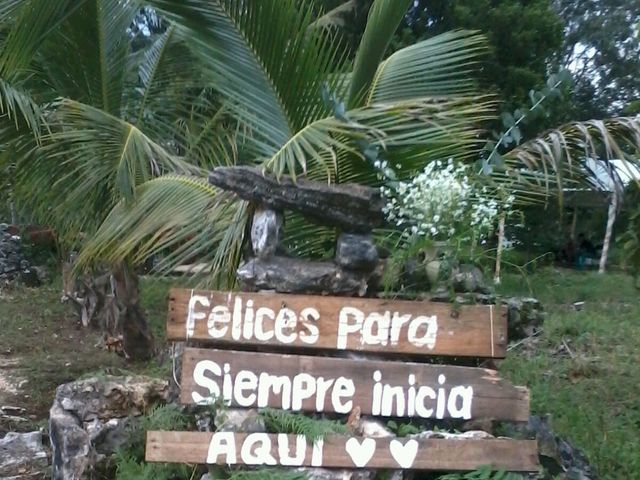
[
  {"x": 484, "y": 473},
  {"x": 161, "y": 417},
  {"x": 601, "y": 41},
  {"x": 268, "y": 474},
  {"x": 128, "y": 468},
  {"x": 582, "y": 369},
  {"x": 523, "y": 37},
  {"x": 280, "y": 421},
  {"x": 630, "y": 240},
  {"x": 403, "y": 429}
]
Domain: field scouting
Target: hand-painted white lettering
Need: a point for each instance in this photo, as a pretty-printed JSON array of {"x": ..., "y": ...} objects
[
  {"x": 430, "y": 332},
  {"x": 318, "y": 450},
  {"x": 376, "y": 404},
  {"x": 322, "y": 387},
  {"x": 211, "y": 385},
  {"x": 464, "y": 393},
  {"x": 219, "y": 315},
  {"x": 222, "y": 443},
  {"x": 284, "y": 450},
  {"x": 397, "y": 322},
  {"x": 345, "y": 328},
  {"x": 261, "y": 313},
  {"x": 245, "y": 380},
  {"x": 375, "y": 330},
  {"x": 343, "y": 388},
  {"x": 248, "y": 321},
  {"x": 309, "y": 318},
  {"x": 286, "y": 325},
  {"x": 361, "y": 453},
  {"x": 236, "y": 330},
  {"x": 390, "y": 393},
  {"x": 247, "y": 327},
  {"x": 303, "y": 387},
  {"x": 256, "y": 450},
  {"x": 192, "y": 315},
  {"x": 405, "y": 454},
  {"x": 247, "y": 388}
]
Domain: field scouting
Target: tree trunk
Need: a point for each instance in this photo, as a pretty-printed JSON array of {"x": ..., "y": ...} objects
[
  {"x": 611, "y": 218},
  {"x": 496, "y": 275},
  {"x": 137, "y": 339}
]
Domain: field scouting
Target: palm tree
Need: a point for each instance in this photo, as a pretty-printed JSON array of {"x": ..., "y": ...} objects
[{"x": 119, "y": 141}]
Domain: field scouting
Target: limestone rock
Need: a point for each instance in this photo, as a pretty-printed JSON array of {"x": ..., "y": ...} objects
[
  {"x": 373, "y": 428},
  {"x": 560, "y": 459},
  {"x": 468, "y": 278},
  {"x": 524, "y": 316},
  {"x": 22, "y": 455},
  {"x": 266, "y": 229},
  {"x": 353, "y": 208},
  {"x": 239, "y": 420},
  {"x": 13, "y": 265},
  {"x": 88, "y": 419},
  {"x": 326, "y": 474},
  {"x": 356, "y": 251},
  {"x": 292, "y": 275},
  {"x": 471, "y": 434}
]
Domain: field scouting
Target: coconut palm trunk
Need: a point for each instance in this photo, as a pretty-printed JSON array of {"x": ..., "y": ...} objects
[
  {"x": 611, "y": 218},
  {"x": 137, "y": 339}
]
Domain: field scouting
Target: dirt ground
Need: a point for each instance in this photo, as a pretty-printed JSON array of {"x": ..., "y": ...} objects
[{"x": 42, "y": 345}]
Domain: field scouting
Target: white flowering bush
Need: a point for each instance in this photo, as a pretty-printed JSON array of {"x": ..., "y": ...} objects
[{"x": 442, "y": 203}]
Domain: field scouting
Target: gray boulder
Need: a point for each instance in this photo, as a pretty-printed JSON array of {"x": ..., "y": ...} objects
[
  {"x": 266, "y": 230},
  {"x": 88, "y": 420},
  {"x": 22, "y": 455},
  {"x": 524, "y": 315},
  {"x": 356, "y": 252}
]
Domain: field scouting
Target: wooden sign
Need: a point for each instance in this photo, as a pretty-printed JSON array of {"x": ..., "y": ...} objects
[
  {"x": 229, "y": 448},
  {"x": 323, "y": 384},
  {"x": 355, "y": 324}
]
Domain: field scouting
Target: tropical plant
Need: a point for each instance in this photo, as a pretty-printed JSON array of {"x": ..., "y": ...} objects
[
  {"x": 417, "y": 106},
  {"x": 113, "y": 144}
]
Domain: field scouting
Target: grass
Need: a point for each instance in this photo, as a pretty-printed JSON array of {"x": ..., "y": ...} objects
[
  {"x": 42, "y": 345},
  {"x": 583, "y": 369}
]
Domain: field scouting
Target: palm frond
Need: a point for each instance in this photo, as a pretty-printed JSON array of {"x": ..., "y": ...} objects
[
  {"x": 30, "y": 22},
  {"x": 410, "y": 132},
  {"x": 563, "y": 153},
  {"x": 263, "y": 60},
  {"x": 440, "y": 66},
  {"x": 88, "y": 161},
  {"x": 178, "y": 218},
  {"x": 384, "y": 18},
  {"x": 16, "y": 105}
]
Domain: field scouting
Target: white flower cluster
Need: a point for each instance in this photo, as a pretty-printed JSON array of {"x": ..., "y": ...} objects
[{"x": 441, "y": 202}]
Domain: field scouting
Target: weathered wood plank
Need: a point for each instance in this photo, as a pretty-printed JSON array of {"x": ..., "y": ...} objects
[
  {"x": 354, "y": 324},
  {"x": 353, "y": 208},
  {"x": 325, "y": 384},
  {"x": 228, "y": 448}
]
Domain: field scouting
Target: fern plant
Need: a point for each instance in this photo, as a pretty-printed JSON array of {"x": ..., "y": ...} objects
[
  {"x": 268, "y": 474},
  {"x": 483, "y": 473},
  {"x": 279, "y": 421}
]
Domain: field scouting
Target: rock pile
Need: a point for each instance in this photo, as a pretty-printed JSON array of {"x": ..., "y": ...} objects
[
  {"x": 13, "y": 265},
  {"x": 89, "y": 418}
]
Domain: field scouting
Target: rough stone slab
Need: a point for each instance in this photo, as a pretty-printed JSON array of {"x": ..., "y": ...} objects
[
  {"x": 292, "y": 275},
  {"x": 22, "y": 454},
  {"x": 353, "y": 208},
  {"x": 356, "y": 252},
  {"x": 266, "y": 229}
]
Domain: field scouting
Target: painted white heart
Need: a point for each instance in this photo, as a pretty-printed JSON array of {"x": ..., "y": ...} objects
[
  {"x": 361, "y": 453},
  {"x": 404, "y": 454}
]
